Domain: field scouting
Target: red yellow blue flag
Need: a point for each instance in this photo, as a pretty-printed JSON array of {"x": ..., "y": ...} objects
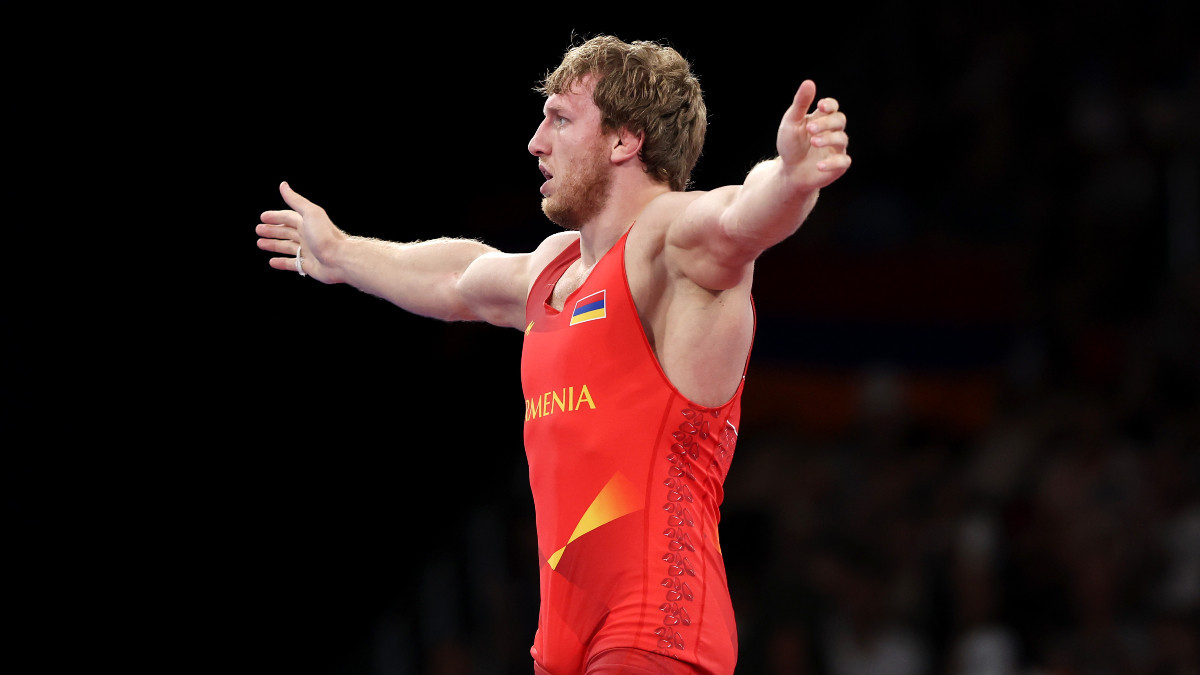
[{"x": 589, "y": 308}]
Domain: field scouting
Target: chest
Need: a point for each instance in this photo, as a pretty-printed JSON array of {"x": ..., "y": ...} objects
[{"x": 568, "y": 283}]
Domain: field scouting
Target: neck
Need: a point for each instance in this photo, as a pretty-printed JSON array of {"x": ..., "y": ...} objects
[{"x": 599, "y": 234}]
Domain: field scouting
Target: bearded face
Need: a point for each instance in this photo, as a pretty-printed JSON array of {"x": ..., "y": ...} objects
[{"x": 581, "y": 189}]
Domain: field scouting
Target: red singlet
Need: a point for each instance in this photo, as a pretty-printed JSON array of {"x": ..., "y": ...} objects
[{"x": 627, "y": 479}]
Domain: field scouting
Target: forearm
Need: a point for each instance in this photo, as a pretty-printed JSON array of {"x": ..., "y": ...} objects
[
  {"x": 420, "y": 277},
  {"x": 770, "y": 206},
  {"x": 778, "y": 194}
]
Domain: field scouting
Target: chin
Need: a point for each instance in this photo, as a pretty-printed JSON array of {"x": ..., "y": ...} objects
[{"x": 558, "y": 215}]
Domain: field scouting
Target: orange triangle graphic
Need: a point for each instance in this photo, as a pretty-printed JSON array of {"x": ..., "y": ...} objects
[{"x": 616, "y": 499}]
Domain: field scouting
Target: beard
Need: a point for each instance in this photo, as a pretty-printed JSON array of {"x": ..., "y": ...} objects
[{"x": 582, "y": 193}]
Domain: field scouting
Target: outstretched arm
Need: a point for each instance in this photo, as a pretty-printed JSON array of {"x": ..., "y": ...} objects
[
  {"x": 723, "y": 231},
  {"x": 448, "y": 279}
]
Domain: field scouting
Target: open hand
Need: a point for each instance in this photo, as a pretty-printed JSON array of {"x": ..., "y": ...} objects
[
  {"x": 813, "y": 145},
  {"x": 300, "y": 234}
]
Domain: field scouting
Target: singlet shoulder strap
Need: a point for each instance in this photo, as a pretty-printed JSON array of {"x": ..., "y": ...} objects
[{"x": 543, "y": 286}]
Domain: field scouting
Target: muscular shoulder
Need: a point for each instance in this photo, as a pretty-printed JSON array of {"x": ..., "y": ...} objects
[
  {"x": 496, "y": 284},
  {"x": 548, "y": 250},
  {"x": 683, "y": 234},
  {"x": 545, "y": 253},
  {"x": 666, "y": 210},
  {"x": 654, "y": 224}
]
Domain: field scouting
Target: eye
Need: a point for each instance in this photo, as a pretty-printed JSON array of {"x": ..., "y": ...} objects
[{"x": 559, "y": 122}]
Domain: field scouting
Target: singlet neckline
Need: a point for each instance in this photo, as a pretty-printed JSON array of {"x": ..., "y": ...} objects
[{"x": 564, "y": 261}]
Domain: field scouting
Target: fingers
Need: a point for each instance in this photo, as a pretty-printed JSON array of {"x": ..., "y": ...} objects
[
  {"x": 830, "y": 139},
  {"x": 279, "y": 230},
  {"x": 801, "y": 102},
  {"x": 821, "y": 121},
  {"x": 293, "y": 198},
  {"x": 826, "y": 126},
  {"x": 268, "y": 231},
  {"x": 832, "y": 146},
  {"x": 284, "y": 245},
  {"x": 834, "y": 163},
  {"x": 824, "y": 118},
  {"x": 276, "y": 226},
  {"x": 291, "y": 217},
  {"x": 285, "y": 264}
]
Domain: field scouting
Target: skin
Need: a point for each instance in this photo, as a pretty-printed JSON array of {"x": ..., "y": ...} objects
[{"x": 690, "y": 260}]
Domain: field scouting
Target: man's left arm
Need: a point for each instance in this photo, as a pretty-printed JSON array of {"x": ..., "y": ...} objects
[{"x": 722, "y": 232}]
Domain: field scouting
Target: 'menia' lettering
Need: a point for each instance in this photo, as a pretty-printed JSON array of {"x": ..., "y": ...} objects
[{"x": 567, "y": 400}]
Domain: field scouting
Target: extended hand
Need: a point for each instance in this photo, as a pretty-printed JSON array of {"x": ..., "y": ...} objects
[
  {"x": 301, "y": 234},
  {"x": 813, "y": 145}
]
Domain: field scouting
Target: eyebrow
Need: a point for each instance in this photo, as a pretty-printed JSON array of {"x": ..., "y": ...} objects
[{"x": 557, "y": 106}]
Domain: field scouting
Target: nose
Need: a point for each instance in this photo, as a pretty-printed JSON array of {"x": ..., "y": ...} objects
[{"x": 537, "y": 145}]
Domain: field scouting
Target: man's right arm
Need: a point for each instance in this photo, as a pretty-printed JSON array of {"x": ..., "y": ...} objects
[{"x": 447, "y": 279}]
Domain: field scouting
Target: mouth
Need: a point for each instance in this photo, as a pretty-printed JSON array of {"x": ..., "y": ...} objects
[{"x": 547, "y": 175}]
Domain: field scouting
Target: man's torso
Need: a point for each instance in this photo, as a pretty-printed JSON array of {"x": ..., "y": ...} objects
[{"x": 627, "y": 478}]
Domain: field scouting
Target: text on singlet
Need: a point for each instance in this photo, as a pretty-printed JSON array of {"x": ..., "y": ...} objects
[{"x": 567, "y": 400}]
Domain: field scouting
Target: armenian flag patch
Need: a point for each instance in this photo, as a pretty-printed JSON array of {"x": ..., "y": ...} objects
[{"x": 589, "y": 308}]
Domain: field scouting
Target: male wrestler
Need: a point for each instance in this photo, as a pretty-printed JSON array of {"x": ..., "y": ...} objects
[{"x": 638, "y": 325}]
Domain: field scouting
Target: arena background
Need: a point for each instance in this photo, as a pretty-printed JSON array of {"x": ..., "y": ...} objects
[{"x": 971, "y": 421}]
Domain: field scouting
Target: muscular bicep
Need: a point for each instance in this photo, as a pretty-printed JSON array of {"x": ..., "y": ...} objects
[
  {"x": 701, "y": 243},
  {"x": 495, "y": 286}
]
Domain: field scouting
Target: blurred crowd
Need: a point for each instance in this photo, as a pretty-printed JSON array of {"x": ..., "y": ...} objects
[{"x": 1063, "y": 538}]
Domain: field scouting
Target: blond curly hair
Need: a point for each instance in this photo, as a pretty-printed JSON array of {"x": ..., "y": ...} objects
[{"x": 643, "y": 87}]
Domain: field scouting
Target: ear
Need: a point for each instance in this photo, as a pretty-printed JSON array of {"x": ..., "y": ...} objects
[{"x": 627, "y": 146}]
